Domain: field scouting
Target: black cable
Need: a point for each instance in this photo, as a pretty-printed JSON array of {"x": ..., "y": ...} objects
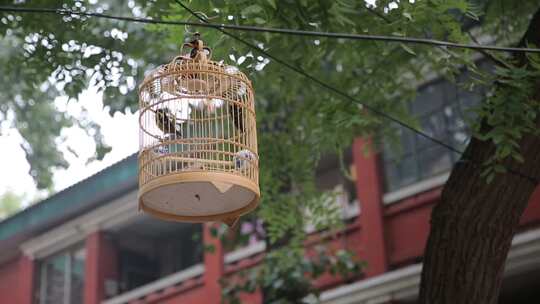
[
  {"x": 323, "y": 84},
  {"x": 277, "y": 30},
  {"x": 221, "y": 27},
  {"x": 346, "y": 96}
]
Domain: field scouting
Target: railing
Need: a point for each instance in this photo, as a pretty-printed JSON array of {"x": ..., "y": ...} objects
[
  {"x": 171, "y": 280},
  {"x": 245, "y": 252},
  {"x": 348, "y": 211},
  {"x": 403, "y": 283},
  {"x": 415, "y": 188}
]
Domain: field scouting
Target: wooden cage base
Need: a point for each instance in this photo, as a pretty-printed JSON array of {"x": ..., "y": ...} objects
[{"x": 199, "y": 197}]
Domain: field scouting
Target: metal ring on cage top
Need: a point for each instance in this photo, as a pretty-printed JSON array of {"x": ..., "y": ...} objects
[{"x": 197, "y": 48}]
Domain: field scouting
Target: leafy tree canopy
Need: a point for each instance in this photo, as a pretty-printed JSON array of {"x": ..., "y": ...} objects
[
  {"x": 298, "y": 121},
  {"x": 44, "y": 56},
  {"x": 10, "y": 203}
]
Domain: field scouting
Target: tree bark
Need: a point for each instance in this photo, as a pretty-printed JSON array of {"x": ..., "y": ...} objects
[{"x": 473, "y": 224}]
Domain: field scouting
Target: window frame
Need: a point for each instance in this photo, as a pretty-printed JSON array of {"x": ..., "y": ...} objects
[
  {"x": 68, "y": 254},
  {"x": 453, "y": 98}
]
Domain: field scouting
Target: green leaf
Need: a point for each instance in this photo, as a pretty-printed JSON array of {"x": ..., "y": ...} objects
[
  {"x": 272, "y": 3},
  {"x": 252, "y": 9},
  {"x": 214, "y": 232},
  {"x": 407, "y": 49},
  {"x": 259, "y": 20},
  {"x": 499, "y": 168},
  {"x": 490, "y": 178},
  {"x": 518, "y": 157},
  {"x": 408, "y": 16},
  {"x": 209, "y": 248}
]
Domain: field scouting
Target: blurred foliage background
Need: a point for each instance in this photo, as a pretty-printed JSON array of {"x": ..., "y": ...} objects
[{"x": 44, "y": 56}]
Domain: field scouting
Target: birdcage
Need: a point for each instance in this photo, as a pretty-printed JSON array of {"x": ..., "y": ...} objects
[{"x": 198, "y": 142}]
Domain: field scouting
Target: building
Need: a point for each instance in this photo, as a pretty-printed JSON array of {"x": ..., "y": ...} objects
[{"x": 89, "y": 244}]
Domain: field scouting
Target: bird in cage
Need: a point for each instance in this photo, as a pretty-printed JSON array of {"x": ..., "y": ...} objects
[
  {"x": 164, "y": 149},
  {"x": 235, "y": 90},
  {"x": 242, "y": 158},
  {"x": 166, "y": 122},
  {"x": 235, "y": 112},
  {"x": 169, "y": 125},
  {"x": 231, "y": 89}
]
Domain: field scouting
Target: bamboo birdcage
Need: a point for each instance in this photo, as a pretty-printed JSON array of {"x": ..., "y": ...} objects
[{"x": 198, "y": 140}]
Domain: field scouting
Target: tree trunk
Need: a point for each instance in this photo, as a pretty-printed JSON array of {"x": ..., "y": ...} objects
[{"x": 473, "y": 224}]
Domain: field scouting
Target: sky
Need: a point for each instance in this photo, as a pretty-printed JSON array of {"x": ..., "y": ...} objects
[{"x": 120, "y": 132}]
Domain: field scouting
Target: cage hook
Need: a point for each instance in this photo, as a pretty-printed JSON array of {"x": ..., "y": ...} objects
[{"x": 198, "y": 52}]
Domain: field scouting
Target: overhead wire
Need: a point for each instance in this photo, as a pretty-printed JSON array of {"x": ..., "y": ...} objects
[
  {"x": 347, "y": 96},
  {"x": 250, "y": 45},
  {"x": 223, "y": 27},
  {"x": 322, "y": 83},
  {"x": 283, "y": 31}
]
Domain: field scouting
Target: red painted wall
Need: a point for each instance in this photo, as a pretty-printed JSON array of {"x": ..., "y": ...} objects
[
  {"x": 213, "y": 263},
  {"x": 192, "y": 296},
  {"x": 8, "y": 281},
  {"x": 192, "y": 291},
  {"x": 100, "y": 265},
  {"x": 407, "y": 224},
  {"x": 369, "y": 191},
  {"x": 386, "y": 237},
  {"x": 26, "y": 280},
  {"x": 531, "y": 216},
  {"x": 407, "y": 227},
  {"x": 348, "y": 239},
  {"x": 16, "y": 281}
]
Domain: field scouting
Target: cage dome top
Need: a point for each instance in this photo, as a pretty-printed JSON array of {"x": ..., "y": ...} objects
[{"x": 198, "y": 156}]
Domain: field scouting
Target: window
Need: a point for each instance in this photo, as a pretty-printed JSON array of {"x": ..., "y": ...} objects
[
  {"x": 441, "y": 108},
  {"x": 331, "y": 178},
  {"x": 61, "y": 278},
  {"x": 338, "y": 186},
  {"x": 151, "y": 249}
]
